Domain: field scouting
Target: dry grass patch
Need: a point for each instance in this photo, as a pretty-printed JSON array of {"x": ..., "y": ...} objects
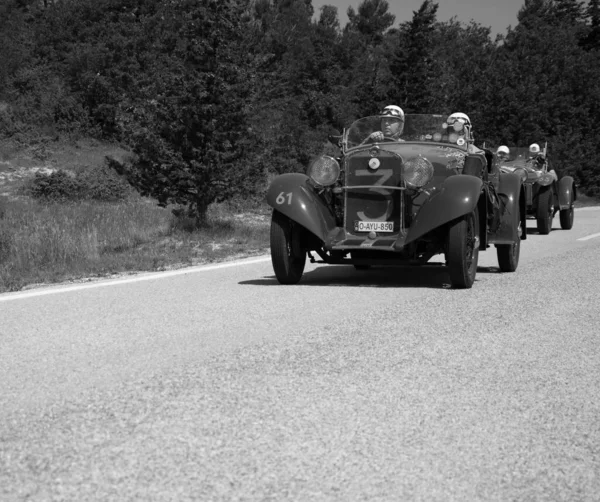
[{"x": 49, "y": 243}]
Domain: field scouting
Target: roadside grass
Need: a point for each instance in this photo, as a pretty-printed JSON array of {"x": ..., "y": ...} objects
[{"x": 50, "y": 243}]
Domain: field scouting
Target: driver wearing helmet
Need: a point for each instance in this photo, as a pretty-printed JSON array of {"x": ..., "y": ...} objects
[
  {"x": 459, "y": 130},
  {"x": 392, "y": 125},
  {"x": 503, "y": 153}
]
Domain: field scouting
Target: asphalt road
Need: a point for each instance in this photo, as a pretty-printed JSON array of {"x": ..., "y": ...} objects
[{"x": 216, "y": 383}]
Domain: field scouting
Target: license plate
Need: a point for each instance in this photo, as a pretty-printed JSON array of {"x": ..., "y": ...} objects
[{"x": 373, "y": 226}]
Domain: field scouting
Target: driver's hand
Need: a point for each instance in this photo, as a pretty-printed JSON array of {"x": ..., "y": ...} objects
[{"x": 376, "y": 136}]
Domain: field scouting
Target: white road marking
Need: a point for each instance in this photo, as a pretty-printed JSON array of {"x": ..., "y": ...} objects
[
  {"x": 588, "y": 237},
  {"x": 51, "y": 290}
]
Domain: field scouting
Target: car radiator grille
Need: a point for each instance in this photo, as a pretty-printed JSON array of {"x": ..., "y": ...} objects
[{"x": 374, "y": 195}]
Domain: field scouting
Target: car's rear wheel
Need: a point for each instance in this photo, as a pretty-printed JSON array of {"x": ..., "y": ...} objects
[
  {"x": 545, "y": 211},
  {"x": 508, "y": 254},
  {"x": 287, "y": 256},
  {"x": 462, "y": 252}
]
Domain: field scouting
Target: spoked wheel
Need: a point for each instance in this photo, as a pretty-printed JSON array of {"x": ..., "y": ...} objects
[
  {"x": 462, "y": 252},
  {"x": 567, "y": 217},
  {"x": 287, "y": 255},
  {"x": 545, "y": 211},
  {"x": 508, "y": 254}
]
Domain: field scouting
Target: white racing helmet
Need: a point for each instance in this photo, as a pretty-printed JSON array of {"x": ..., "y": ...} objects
[
  {"x": 534, "y": 148},
  {"x": 503, "y": 150},
  {"x": 392, "y": 121}
]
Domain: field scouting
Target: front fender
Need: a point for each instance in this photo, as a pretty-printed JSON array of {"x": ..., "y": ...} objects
[
  {"x": 458, "y": 196},
  {"x": 292, "y": 195},
  {"x": 512, "y": 204},
  {"x": 566, "y": 192}
]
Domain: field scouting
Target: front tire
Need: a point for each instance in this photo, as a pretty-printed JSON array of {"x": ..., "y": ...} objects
[
  {"x": 287, "y": 256},
  {"x": 567, "y": 217},
  {"x": 545, "y": 211},
  {"x": 508, "y": 254},
  {"x": 462, "y": 252}
]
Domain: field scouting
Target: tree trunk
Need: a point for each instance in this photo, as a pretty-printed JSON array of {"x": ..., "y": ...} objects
[{"x": 200, "y": 210}]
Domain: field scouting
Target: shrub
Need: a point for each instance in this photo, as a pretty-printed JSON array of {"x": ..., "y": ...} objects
[
  {"x": 57, "y": 186},
  {"x": 104, "y": 184},
  {"x": 101, "y": 184}
]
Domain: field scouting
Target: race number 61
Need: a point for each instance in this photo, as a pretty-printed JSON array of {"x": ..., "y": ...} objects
[{"x": 283, "y": 197}]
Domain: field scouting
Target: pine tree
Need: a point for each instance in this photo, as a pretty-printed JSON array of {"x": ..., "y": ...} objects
[{"x": 412, "y": 64}]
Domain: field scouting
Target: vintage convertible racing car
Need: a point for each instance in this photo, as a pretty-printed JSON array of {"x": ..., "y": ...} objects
[
  {"x": 545, "y": 193},
  {"x": 398, "y": 200}
]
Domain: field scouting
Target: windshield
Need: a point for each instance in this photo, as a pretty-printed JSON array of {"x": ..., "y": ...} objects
[{"x": 416, "y": 128}]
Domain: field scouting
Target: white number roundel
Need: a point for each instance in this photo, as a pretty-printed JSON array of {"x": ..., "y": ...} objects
[{"x": 374, "y": 163}]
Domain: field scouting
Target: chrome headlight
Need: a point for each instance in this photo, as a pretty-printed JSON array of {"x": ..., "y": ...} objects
[
  {"x": 324, "y": 170},
  {"x": 418, "y": 171}
]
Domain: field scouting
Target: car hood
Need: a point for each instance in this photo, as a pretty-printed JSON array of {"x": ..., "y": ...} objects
[{"x": 446, "y": 160}]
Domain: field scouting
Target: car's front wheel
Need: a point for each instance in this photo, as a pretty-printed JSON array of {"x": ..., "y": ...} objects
[
  {"x": 287, "y": 255},
  {"x": 545, "y": 211},
  {"x": 567, "y": 216},
  {"x": 462, "y": 252},
  {"x": 508, "y": 254}
]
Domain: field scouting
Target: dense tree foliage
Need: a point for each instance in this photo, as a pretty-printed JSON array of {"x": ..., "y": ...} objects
[{"x": 216, "y": 96}]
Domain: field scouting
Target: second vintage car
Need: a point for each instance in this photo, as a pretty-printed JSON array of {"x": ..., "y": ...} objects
[
  {"x": 398, "y": 199},
  {"x": 545, "y": 193}
]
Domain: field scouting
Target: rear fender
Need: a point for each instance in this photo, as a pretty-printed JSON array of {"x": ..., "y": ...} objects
[
  {"x": 292, "y": 195},
  {"x": 566, "y": 192},
  {"x": 458, "y": 196},
  {"x": 512, "y": 204}
]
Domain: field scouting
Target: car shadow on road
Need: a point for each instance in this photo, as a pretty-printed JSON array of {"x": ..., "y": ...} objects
[{"x": 374, "y": 277}]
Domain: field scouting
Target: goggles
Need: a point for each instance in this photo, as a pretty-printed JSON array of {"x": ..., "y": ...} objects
[
  {"x": 391, "y": 113},
  {"x": 456, "y": 120}
]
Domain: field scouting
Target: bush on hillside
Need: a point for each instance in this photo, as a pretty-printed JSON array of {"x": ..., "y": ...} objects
[{"x": 100, "y": 184}]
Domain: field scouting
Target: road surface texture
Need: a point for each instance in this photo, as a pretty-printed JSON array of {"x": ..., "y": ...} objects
[{"x": 216, "y": 383}]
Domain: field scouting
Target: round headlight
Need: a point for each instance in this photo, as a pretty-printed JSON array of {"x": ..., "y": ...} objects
[
  {"x": 417, "y": 172},
  {"x": 324, "y": 171}
]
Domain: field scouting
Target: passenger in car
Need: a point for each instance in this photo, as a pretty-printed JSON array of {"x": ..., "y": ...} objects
[
  {"x": 460, "y": 131},
  {"x": 537, "y": 156},
  {"x": 539, "y": 160}
]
